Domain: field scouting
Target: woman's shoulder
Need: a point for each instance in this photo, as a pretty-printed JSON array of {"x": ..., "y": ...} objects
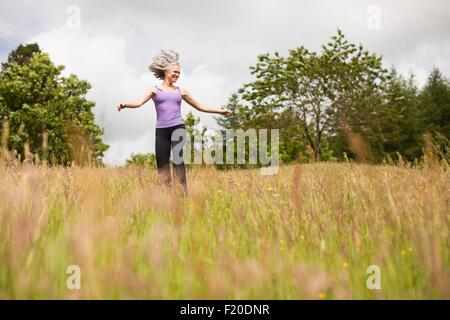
[
  {"x": 183, "y": 90},
  {"x": 153, "y": 89},
  {"x": 151, "y": 92}
]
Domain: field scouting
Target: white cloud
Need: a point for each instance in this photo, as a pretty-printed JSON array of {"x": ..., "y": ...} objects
[
  {"x": 422, "y": 58},
  {"x": 208, "y": 88},
  {"x": 6, "y": 29},
  {"x": 217, "y": 41},
  {"x": 122, "y": 150}
]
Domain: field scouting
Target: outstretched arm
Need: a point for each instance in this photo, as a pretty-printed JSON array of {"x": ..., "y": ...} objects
[
  {"x": 139, "y": 102},
  {"x": 186, "y": 95}
]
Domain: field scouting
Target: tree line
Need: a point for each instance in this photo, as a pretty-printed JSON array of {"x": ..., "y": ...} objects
[
  {"x": 336, "y": 104},
  {"x": 341, "y": 103}
]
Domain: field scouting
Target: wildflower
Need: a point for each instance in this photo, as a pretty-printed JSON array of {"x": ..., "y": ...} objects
[
  {"x": 219, "y": 190},
  {"x": 322, "y": 296},
  {"x": 345, "y": 264}
]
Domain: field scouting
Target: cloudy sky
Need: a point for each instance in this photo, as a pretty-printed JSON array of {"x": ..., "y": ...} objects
[{"x": 110, "y": 43}]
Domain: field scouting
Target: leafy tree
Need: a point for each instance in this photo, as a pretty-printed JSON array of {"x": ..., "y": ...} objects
[
  {"x": 239, "y": 117},
  {"x": 319, "y": 90},
  {"x": 21, "y": 55},
  {"x": 398, "y": 126},
  {"x": 435, "y": 103},
  {"x": 291, "y": 133},
  {"x": 48, "y": 112}
]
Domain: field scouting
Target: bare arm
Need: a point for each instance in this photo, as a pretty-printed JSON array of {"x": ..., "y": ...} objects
[
  {"x": 139, "y": 102},
  {"x": 186, "y": 95}
]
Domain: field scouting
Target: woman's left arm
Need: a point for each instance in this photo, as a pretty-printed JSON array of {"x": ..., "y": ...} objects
[{"x": 186, "y": 95}]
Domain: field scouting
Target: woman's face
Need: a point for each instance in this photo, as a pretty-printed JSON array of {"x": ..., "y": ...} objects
[{"x": 173, "y": 73}]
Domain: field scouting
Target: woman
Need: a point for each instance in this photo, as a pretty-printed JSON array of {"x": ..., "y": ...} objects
[{"x": 167, "y": 98}]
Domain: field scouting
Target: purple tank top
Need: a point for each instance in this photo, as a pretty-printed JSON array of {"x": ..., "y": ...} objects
[{"x": 168, "y": 108}]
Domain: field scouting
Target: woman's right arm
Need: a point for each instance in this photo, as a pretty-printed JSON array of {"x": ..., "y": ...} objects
[{"x": 139, "y": 102}]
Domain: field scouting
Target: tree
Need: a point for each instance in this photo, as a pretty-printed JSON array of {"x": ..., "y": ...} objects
[
  {"x": 238, "y": 119},
  {"x": 48, "y": 114},
  {"x": 21, "y": 55},
  {"x": 239, "y": 116},
  {"x": 291, "y": 132},
  {"x": 320, "y": 90},
  {"x": 398, "y": 127},
  {"x": 435, "y": 103}
]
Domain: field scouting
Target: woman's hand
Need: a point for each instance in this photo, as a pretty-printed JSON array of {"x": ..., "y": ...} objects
[
  {"x": 225, "y": 112},
  {"x": 121, "y": 106}
]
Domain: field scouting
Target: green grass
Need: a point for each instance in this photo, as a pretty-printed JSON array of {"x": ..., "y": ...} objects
[{"x": 308, "y": 232}]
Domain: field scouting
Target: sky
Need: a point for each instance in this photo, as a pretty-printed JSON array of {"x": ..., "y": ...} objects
[{"x": 111, "y": 43}]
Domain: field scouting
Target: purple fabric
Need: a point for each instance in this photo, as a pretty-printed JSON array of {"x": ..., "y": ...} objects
[{"x": 168, "y": 108}]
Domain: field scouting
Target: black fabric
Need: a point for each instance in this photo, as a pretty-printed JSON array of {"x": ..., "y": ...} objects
[{"x": 163, "y": 146}]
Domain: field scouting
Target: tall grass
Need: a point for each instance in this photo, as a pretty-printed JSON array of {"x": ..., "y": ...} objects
[{"x": 308, "y": 232}]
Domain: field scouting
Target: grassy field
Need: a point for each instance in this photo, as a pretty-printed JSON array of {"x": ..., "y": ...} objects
[{"x": 308, "y": 232}]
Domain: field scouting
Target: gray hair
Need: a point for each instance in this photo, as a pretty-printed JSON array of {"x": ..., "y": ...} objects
[{"x": 162, "y": 61}]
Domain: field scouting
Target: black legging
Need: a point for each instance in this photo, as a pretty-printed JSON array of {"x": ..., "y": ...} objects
[{"x": 163, "y": 144}]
